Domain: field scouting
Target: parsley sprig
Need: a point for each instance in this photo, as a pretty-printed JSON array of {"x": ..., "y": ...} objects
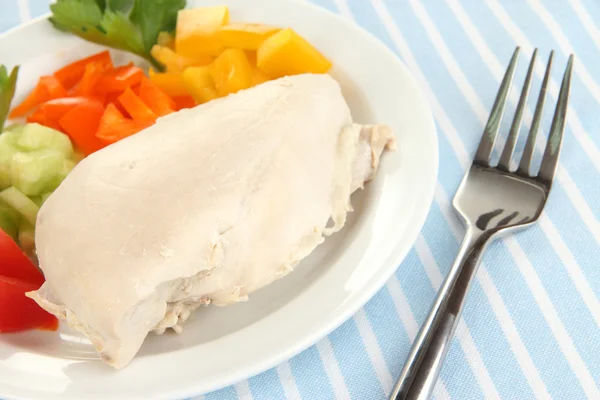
[{"x": 130, "y": 25}]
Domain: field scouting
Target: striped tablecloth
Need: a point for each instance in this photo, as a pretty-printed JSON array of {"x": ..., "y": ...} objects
[{"x": 531, "y": 328}]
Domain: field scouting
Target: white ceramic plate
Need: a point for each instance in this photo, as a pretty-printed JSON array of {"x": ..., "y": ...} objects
[{"x": 220, "y": 346}]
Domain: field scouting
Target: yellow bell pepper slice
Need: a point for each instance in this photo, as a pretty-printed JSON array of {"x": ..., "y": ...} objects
[
  {"x": 170, "y": 82},
  {"x": 175, "y": 62},
  {"x": 245, "y": 36},
  {"x": 196, "y": 31},
  {"x": 199, "y": 84},
  {"x": 231, "y": 72},
  {"x": 287, "y": 53},
  {"x": 166, "y": 39}
]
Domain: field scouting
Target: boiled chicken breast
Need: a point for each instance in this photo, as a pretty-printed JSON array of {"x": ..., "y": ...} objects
[{"x": 206, "y": 206}]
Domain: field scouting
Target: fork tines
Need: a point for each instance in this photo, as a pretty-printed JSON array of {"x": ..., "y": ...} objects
[{"x": 550, "y": 157}]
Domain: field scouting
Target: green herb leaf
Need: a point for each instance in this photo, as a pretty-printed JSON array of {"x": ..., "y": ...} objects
[
  {"x": 8, "y": 84},
  {"x": 130, "y": 25},
  {"x": 155, "y": 16}
]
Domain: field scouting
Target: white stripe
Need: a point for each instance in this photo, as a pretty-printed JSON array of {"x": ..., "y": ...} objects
[
  {"x": 441, "y": 117},
  {"x": 568, "y": 260},
  {"x": 433, "y": 272},
  {"x": 451, "y": 65},
  {"x": 560, "y": 333},
  {"x": 374, "y": 352},
  {"x": 587, "y": 21},
  {"x": 411, "y": 326},
  {"x": 498, "y": 307},
  {"x": 565, "y": 46},
  {"x": 287, "y": 381},
  {"x": 563, "y": 178},
  {"x": 24, "y": 13},
  {"x": 587, "y": 145},
  {"x": 333, "y": 370},
  {"x": 242, "y": 390},
  {"x": 509, "y": 329},
  {"x": 579, "y": 203}
]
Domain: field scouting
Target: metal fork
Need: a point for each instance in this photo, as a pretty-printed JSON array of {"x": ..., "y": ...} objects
[{"x": 491, "y": 201}]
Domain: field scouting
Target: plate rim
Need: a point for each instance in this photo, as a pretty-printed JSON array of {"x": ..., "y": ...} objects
[{"x": 358, "y": 300}]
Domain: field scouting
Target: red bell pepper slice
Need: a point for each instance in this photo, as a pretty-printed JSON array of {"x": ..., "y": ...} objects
[
  {"x": 70, "y": 74},
  {"x": 15, "y": 264},
  {"x": 18, "y": 312},
  {"x": 135, "y": 107},
  {"x": 81, "y": 124},
  {"x": 156, "y": 99},
  {"x": 120, "y": 79}
]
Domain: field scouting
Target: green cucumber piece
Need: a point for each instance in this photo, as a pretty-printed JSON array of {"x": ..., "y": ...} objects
[
  {"x": 9, "y": 220},
  {"x": 39, "y": 137},
  {"x": 21, "y": 203},
  {"x": 32, "y": 173},
  {"x": 26, "y": 238}
]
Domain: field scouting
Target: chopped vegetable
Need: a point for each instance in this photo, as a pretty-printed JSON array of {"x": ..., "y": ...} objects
[
  {"x": 37, "y": 137},
  {"x": 197, "y": 31},
  {"x": 8, "y": 84},
  {"x": 135, "y": 107},
  {"x": 70, "y": 74},
  {"x": 120, "y": 79},
  {"x": 185, "y": 101},
  {"x": 52, "y": 111},
  {"x": 165, "y": 39},
  {"x": 93, "y": 73},
  {"x": 245, "y": 36},
  {"x": 287, "y": 53},
  {"x": 169, "y": 82},
  {"x": 81, "y": 124},
  {"x": 231, "y": 72},
  {"x": 9, "y": 220},
  {"x": 23, "y": 313},
  {"x": 21, "y": 203},
  {"x": 130, "y": 25},
  {"x": 156, "y": 99},
  {"x": 15, "y": 264},
  {"x": 199, "y": 84},
  {"x": 174, "y": 62},
  {"x": 114, "y": 126},
  {"x": 32, "y": 172}
]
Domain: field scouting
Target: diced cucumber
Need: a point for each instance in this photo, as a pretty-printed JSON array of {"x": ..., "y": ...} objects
[
  {"x": 37, "y": 200},
  {"x": 21, "y": 203},
  {"x": 67, "y": 167},
  {"x": 26, "y": 238},
  {"x": 44, "y": 196},
  {"x": 7, "y": 151},
  {"x": 9, "y": 220},
  {"x": 38, "y": 137},
  {"x": 16, "y": 127},
  {"x": 32, "y": 173},
  {"x": 11, "y": 137}
]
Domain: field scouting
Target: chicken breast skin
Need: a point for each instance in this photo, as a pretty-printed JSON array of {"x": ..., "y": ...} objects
[{"x": 206, "y": 206}]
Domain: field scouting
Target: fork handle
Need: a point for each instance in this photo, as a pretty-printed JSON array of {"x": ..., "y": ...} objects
[{"x": 425, "y": 360}]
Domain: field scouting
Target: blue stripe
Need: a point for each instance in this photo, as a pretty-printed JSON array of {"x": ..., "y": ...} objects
[
  {"x": 228, "y": 393},
  {"x": 389, "y": 330},
  {"x": 354, "y": 362},
  {"x": 266, "y": 386},
  {"x": 311, "y": 377}
]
